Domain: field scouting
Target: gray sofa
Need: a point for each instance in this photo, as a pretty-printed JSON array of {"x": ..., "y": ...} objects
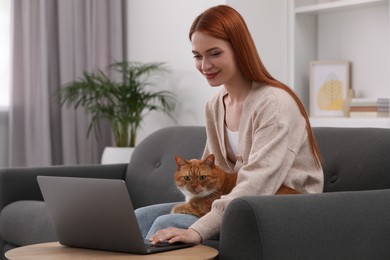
[{"x": 350, "y": 220}]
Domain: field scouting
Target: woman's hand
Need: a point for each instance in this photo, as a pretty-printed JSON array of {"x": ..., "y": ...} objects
[{"x": 173, "y": 235}]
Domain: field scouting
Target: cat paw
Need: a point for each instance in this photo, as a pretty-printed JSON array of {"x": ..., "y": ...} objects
[{"x": 177, "y": 209}]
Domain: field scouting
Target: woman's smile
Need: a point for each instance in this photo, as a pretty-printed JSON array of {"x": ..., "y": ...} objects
[
  {"x": 210, "y": 76},
  {"x": 214, "y": 58}
]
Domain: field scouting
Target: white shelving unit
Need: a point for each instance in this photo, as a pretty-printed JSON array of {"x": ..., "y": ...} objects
[
  {"x": 349, "y": 30},
  {"x": 334, "y": 6}
]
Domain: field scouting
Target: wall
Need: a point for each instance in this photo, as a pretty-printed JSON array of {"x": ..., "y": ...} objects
[
  {"x": 158, "y": 31},
  {"x": 267, "y": 22},
  {"x": 3, "y": 137}
]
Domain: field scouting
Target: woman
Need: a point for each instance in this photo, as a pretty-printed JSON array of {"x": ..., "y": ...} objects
[{"x": 256, "y": 126}]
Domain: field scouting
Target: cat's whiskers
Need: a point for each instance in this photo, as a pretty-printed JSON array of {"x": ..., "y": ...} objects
[
  {"x": 213, "y": 194},
  {"x": 175, "y": 190},
  {"x": 203, "y": 194}
]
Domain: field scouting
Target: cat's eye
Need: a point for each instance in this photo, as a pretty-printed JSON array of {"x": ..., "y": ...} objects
[
  {"x": 202, "y": 177},
  {"x": 187, "y": 178}
]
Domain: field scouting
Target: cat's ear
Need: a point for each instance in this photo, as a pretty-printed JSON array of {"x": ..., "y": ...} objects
[
  {"x": 180, "y": 162},
  {"x": 210, "y": 161}
]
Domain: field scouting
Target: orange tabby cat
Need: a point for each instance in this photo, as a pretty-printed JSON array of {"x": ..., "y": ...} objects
[{"x": 202, "y": 182}]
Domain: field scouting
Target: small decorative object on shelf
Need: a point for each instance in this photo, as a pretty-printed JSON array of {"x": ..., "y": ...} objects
[
  {"x": 329, "y": 85},
  {"x": 347, "y": 102}
]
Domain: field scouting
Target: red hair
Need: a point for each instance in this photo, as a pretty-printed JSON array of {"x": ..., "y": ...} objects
[{"x": 225, "y": 23}]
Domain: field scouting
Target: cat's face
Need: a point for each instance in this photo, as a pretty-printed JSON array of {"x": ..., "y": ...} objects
[{"x": 197, "y": 178}]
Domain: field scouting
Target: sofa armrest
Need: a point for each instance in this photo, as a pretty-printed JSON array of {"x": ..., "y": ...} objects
[
  {"x": 21, "y": 183},
  {"x": 338, "y": 225}
]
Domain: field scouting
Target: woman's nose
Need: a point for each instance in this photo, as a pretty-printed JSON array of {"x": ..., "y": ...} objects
[{"x": 206, "y": 65}]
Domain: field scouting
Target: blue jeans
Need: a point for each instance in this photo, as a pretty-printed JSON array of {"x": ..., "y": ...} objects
[{"x": 155, "y": 217}]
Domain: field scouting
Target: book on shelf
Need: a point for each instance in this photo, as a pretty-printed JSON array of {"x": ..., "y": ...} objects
[
  {"x": 383, "y": 104},
  {"x": 364, "y": 102},
  {"x": 384, "y": 100},
  {"x": 383, "y": 109},
  {"x": 370, "y": 114},
  {"x": 369, "y": 107},
  {"x": 363, "y": 109}
]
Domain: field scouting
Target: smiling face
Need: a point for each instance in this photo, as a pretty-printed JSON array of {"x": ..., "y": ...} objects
[{"x": 214, "y": 58}]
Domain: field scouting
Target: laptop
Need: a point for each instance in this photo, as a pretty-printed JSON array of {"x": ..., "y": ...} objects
[{"x": 96, "y": 214}]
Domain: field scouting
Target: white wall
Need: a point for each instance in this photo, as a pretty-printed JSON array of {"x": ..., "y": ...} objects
[
  {"x": 158, "y": 31},
  {"x": 268, "y": 23}
]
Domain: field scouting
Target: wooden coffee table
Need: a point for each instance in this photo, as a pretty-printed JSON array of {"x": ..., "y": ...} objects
[{"x": 55, "y": 251}]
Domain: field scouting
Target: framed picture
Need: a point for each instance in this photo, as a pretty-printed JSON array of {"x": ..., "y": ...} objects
[{"x": 329, "y": 85}]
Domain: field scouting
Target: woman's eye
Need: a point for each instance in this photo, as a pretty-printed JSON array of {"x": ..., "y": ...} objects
[
  {"x": 197, "y": 57},
  {"x": 187, "y": 178},
  {"x": 202, "y": 177},
  {"x": 216, "y": 54}
]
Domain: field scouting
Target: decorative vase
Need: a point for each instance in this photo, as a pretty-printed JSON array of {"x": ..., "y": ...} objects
[{"x": 112, "y": 155}]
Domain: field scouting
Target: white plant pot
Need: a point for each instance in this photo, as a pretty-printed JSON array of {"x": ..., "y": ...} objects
[{"x": 112, "y": 155}]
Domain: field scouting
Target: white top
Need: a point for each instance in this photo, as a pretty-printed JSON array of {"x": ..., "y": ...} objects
[{"x": 233, "y": 140}]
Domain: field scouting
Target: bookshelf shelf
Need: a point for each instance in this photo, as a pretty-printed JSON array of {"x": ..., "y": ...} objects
[
  {"x": 337, "y": 6},
  {"x": 350, "y": 122}
]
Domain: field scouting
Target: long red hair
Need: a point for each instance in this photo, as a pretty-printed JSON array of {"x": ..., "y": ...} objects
[{"x": 224, "y": 22}]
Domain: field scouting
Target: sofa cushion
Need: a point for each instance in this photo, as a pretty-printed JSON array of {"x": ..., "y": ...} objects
[
  {"x": 354, "y": 158},
  {"x": 26, "y": 222}
]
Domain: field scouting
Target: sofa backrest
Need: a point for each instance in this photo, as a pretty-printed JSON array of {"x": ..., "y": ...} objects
[
  {"x": 354, "y": 158},
  {"x": 150, "y": 174}
]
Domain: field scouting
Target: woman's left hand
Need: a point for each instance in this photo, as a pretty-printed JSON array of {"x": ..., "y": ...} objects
[{"x": 173, "y": 235}]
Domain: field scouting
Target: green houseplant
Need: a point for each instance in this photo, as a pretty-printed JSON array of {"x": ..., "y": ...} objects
[{"x": 124, "y": 102}]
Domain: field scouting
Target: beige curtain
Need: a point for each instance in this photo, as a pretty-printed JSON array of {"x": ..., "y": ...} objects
[{"x": 53, "y": 42}]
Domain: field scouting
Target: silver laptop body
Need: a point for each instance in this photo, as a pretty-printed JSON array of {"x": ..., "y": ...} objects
[{"x": 95, "y": 214}]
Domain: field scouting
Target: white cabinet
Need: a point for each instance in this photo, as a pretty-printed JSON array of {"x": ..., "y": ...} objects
[{"x": 348, "y": 30}]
